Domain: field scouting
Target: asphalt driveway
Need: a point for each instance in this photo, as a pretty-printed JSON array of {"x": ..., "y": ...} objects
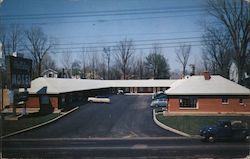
[{"x": 124, "y": 117}]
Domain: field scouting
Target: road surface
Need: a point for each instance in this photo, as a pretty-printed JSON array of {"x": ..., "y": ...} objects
[{"x": 122, "y": 129}]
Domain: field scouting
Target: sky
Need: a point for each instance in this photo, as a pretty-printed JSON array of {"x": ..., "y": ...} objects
[{"x": 98, "y": 23}]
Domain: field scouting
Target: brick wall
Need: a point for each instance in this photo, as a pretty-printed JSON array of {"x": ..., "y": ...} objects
[
  {"x": 212, "y": 105},
  {"x": 33, "y": 102}
]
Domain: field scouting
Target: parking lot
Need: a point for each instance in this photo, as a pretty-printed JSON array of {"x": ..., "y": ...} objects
[{"x": 124, "y": 117}]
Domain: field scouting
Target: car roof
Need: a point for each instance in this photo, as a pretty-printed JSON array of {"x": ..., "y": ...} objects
[{"x": 101, "y": 96}]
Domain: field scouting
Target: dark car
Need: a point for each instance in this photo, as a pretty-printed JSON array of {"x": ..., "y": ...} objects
[
  {"x": 159, "y": 102},
  {"x": 225, "y": 130},
  {"x": 159, "y": 96}
]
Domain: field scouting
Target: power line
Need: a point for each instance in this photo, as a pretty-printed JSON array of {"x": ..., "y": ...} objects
[
  {"x": 141, "y": 40},
  {"x": 96, "y": 47},
  {"x": 106, "y": 13},
  {"x": 142, "y": 48},
  {"x": 154, "y": 41},
  {"x": 135, "y": 41},
  {"x": 102, "y": 20},
  {"x": 124, "y": 35}
]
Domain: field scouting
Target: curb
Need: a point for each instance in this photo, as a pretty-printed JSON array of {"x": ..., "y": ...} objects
[
  {"x": 39, "y": 125},
  {"x": 169, "y": 128}
]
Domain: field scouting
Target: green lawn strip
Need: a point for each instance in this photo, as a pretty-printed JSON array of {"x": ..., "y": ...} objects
[
  {"x": 192, "y": 124},
  {"x": 158, "y": 110},
  {"x": 25, "y": 122}
]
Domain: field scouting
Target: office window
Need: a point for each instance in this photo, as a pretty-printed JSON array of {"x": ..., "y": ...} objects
[
  {"x": 188, "y": 102},
  {"x": 224, "y": 100},
  {"x": 241, "y": 101}
]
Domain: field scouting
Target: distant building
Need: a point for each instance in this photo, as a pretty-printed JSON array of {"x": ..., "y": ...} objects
[{"x": 50, "y": 73}]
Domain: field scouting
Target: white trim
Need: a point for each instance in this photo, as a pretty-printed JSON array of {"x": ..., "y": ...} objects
[{"x": 188, "y": 108}]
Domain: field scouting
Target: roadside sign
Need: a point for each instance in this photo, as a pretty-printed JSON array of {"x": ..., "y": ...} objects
[{"x": 18, "y": 72}]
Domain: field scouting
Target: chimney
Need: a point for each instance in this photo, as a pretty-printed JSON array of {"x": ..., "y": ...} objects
[{"x": 206, "y": 75}]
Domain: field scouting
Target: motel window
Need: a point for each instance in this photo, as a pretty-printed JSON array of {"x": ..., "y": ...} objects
[
  {"x": 224, "y": 100},
  {"x": 241, "y": 101},
  {"x": 188, "y": 102},
  {"x": 140, "y": 89},
  {"x": 150, "y": 89}
]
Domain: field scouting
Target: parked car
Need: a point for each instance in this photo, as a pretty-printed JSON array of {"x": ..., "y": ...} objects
[
  {"x": 160, "y": 102},
  {"x": 99, "y": 99},
  {"x": 157, "y": 94},
  {"x": 226, "y": 130},
  {"x": 120, "y": 91}
]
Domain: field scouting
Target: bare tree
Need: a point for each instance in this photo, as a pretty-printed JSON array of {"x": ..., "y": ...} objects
[
  {"x": 217, "y": 51},
  {"x": 48, "y": 63},
  {"x": 83, "y": 58},
  {"x": 182, "y": 56},
  {"x": 76, "y": 68},
  {"x": 93, "y": 63},
  {"x": 140, "y": 66},
  {"x": 107, "y": 56},
  {"x": 115, "y": 72},
  {"x": 125, "y": 50},
  {"x": 234, "y": 17},
  {"x": 66, "y": 60},
  {"x": 38, "y": 45},
  {"x": 3, "y": 40},
  {"x": 101, "y": 70},
  {"x": 15, "y": 37}
]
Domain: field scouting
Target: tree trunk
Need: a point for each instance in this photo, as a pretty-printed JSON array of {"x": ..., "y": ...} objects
[{"x": 184, "y": 71}]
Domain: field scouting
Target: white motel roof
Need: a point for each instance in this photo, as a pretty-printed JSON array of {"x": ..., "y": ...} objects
[
  {"x": 197, "y": 85},
  {"x": 194, "y": 85},
  {"x": 64, "y": 85}
]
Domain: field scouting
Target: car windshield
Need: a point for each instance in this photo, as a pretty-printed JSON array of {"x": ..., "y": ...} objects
[{"x": 114, "y": 79}]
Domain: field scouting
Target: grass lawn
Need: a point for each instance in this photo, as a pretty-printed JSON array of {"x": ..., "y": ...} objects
[
  {"x": 192, "y": 124},
  {"x": 24, "y": 122}
]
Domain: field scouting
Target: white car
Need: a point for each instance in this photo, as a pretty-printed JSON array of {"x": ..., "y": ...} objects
[
  {"x": 120, "y": 91},
  {"x": 99, "y": 99}
]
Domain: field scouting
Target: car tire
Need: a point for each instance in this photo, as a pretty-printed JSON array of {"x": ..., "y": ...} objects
[
  {"x": 210, "y": 139},
  {"x": 90, "y": 101}
]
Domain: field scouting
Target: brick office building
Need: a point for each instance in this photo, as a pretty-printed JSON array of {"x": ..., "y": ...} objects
[{"x": 207, "y": 94}]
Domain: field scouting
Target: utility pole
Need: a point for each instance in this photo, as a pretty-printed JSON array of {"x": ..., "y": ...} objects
[{"x": 1, "y": 63}]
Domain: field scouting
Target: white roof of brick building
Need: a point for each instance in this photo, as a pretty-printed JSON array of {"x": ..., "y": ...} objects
[
  {"x": 197, "y": 85},
  {"x": 194, "y": 85}
]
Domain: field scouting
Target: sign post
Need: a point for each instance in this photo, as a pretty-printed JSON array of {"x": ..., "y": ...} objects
[{"x": 18, "y": 76}]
